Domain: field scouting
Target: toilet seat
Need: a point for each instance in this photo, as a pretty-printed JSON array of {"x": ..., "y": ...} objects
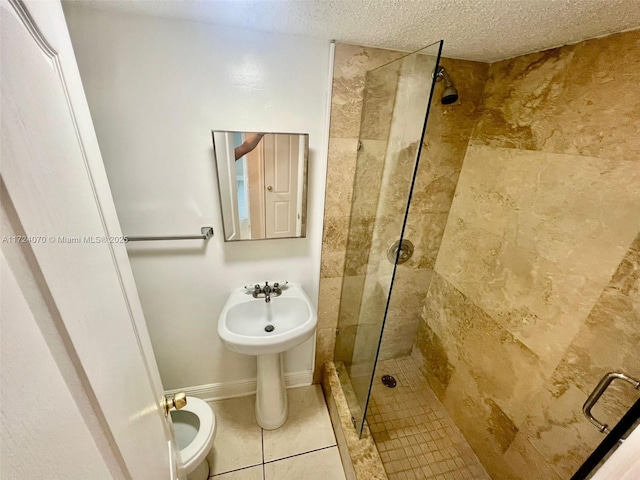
[{"x": 196, "y": 451}]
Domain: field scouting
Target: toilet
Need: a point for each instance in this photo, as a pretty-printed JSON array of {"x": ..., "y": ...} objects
[{"x": 195, "y": 428}]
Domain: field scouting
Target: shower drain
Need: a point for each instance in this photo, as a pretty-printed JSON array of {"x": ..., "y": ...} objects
[{"x": 388, "y": 381}]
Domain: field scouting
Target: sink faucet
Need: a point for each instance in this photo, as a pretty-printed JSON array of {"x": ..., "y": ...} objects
[{"x": 267, "y": 291}]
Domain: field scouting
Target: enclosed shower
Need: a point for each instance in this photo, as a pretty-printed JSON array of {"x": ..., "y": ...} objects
[{"x": 487, "y": 278}]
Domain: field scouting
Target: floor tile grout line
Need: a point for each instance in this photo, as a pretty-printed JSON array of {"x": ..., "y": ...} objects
[
  {"x": 302, "y": 453},
  {"x": 234, "y": 470}
]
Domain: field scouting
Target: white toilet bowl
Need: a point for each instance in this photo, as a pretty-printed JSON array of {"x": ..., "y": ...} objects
[{"x": 195, "y": 429}]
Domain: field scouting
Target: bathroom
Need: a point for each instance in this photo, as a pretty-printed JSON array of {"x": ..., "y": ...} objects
[{"x": 157, "y": 86}]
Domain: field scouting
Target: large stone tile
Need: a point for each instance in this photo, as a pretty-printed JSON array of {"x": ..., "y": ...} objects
[
  {"x": 608, "y": 341},
  {"x": 358, "y": 245},
  {"x": 404, "y": 313},
  {"x": 566, "y": 100},
  {"x": 456, "y": 334},
  {"x": 367, "y": 341},
  {"x": 450, "y": 126},
  {"x": 238, "y": 442},
  {"x": 559, "y": 431},
  {"x": 425, "y": 231},
  {"x": 336, "y": 230},
  {"x": 435, "y": 196},
  {"x": 329, "y": 302},
  {"x": 307, "y": 428},
  {"x": 626, "y": 280},
  {"x": 435, "y": 357},
  {"x": 332, "y": 263},
  {"x": 341, "y": 166},
  {"x": 350, "y": 300},
  {"x": 350, "y": 66},
  {"x": 527, "y": 462},
  {"x": 518, "y": 96},
  {"x": 599, "y": 106},
  {"x": 578, "y": 212},
  {"x": 378, "y": 102},
  {"x": 396, "y": 180},
  {"x": 345, "y": 341},
  {"x": 484, "y": 425},
  {"x": 538, "y": 301},
  {"x": 368, "y": 178}
]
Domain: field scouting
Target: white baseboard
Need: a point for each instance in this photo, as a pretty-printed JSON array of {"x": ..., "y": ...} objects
[{"x": 241, "y": 388}]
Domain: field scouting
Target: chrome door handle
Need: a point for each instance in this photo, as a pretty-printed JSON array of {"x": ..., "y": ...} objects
[{"x": 593, "y": 398}]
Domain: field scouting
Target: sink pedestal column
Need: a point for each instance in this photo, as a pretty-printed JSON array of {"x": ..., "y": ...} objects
[{"x": 272, "y": 407}]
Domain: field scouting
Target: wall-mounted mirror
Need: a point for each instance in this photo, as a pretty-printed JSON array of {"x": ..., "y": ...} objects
[{"x": 262, "y": 179}]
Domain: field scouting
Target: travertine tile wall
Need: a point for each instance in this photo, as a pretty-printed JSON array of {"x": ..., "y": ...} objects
[
  {"x": 441, "y": 161},
  {"x": 350, "y": 66},
  {"x": 392, "y": 189},
  {"x": 448, "y": 131},
  {"x": 536, "y": 289}
]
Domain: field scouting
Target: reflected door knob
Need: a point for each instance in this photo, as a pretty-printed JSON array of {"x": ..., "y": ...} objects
[
  {"x": 178, "y": 401},
  {"x": 270, "y": 188}
]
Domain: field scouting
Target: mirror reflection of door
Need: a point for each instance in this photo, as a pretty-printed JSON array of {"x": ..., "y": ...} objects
[
  {"x": 242, "y": 190},
  {"x": 273, "y": 187},
  {"x": 262, "y": 192}
]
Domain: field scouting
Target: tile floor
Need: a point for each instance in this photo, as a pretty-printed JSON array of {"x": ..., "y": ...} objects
[
  {"x": 303, "y": 448},
  {"x": 412, "y": 430}
]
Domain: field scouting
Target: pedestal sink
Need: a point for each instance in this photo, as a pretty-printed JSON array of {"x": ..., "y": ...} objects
[{"x": 253, "y": 326}]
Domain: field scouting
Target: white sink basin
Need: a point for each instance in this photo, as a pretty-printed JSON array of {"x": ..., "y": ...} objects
[
  {"x": 244, "y": 322},
  {"x": 267, "y": 329}
]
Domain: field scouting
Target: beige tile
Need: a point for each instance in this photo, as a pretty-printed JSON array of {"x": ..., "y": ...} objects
[
  {"x": 307, "y": 428},
  {"x": 325, "y": 346},
  {"x": 361, "y": 453},
  {"x": 412, "y": 429},
  {"x": 319, "y": 465},
  {"x": 546, "y": 202},
  {"x": 335, "y": 233},
  {"x": 518, "y": 97},
  {"x": 341, "y": 166},
  {"x": 537, "y": 300},
  {"x": 252, "y": 473},
  {"x": 332, "y": 263},
  {"x": 404, "y": 313},
  {"x": 368, "y": 177},
  {"x": 589, "y": 120},
  {"x": 329, "y": 302},
  {"x": 238, "y": 441},
  {"x": 350, "y": 66},
  {"x": 378, "y": 102}
]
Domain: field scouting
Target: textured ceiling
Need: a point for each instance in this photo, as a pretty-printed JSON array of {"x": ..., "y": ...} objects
[{"x": 482, "y": 30}]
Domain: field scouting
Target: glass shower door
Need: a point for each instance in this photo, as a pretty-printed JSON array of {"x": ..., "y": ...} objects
[{"x": 394, "y": 115}]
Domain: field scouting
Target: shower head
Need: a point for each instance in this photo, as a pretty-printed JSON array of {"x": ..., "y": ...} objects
[{"x": 450, "y": 93}]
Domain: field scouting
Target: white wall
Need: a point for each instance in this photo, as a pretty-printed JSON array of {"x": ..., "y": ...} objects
[{"x": 156, "y": 88}]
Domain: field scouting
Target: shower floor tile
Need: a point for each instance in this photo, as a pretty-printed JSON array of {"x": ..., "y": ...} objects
[{"x": 413, "y": 432}]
